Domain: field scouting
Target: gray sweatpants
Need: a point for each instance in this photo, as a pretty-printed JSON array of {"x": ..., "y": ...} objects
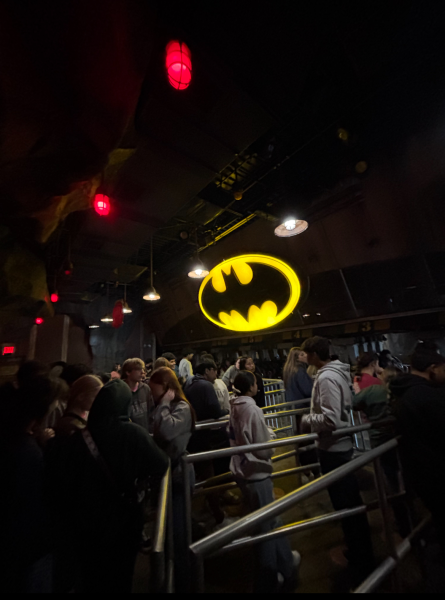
[{"x": 271, "y": 557}]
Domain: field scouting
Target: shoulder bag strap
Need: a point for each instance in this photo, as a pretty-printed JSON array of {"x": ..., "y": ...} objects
[{"x": 94, "y": 451}]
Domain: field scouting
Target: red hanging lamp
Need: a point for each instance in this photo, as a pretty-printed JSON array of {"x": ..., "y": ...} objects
[
  {"x": 54, "y": 297},
  {"x": 102, "y": 205},
  {"x": 178, "y": 63}
]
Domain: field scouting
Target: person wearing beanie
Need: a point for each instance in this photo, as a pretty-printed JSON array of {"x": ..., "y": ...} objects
[{"x": 81, "y": 398}]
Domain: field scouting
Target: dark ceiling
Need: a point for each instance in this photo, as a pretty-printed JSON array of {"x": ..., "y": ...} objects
[{"x": 270, "y": 90}]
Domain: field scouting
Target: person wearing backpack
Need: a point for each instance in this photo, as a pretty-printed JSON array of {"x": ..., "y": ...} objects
[{"x": 98, "y": 474}]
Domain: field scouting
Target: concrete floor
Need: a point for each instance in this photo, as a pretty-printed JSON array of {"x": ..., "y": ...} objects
[{"x": 323, "y": 566}]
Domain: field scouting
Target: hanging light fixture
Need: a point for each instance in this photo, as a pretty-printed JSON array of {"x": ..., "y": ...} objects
[
  {"x": 102, "y": 205},
  {"x": 108, "y": 317},
  {"x": 95, "y": 326},
  {"x": 151, "y": 294},
  {"x": 39, "y": 321},
  {"x": 178, "y": 63},
  {"x": 199, "y": 271},
  {"x": 291, "y": 226},
  {"x": 125, "y": 308},
  {"x": 54, "y": 297}
]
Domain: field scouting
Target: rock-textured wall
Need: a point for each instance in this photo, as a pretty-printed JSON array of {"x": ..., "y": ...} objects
[{"x": 70, "y": 78}]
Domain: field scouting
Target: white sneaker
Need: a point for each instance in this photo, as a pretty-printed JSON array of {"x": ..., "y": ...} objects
[{"x": 297, "y": 559}]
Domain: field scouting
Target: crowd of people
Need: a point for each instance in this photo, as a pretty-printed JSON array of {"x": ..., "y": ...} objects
[{"x": 82, "y": 456}]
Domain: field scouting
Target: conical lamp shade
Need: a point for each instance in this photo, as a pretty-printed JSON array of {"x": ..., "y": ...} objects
[
  {"x": 152, "y": 295},
  {"x": 126, "y": 309},
  {"x": 107, "y": 319},
  {"x": 199, "y": 271}
]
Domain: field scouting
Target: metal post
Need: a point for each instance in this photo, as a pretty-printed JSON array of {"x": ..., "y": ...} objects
[
  {"x": 170, "y": 585},
  {"x": 32, "y": 343},
  {"x": 386, "y": 516},
  {"x": 65, "y": 338},
  {"x": 187, "y": 499},
  {"x": 198, "y": 578}
]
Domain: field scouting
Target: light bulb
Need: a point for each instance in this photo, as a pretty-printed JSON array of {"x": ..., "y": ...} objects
[
  {"x": 290, "y": 225},
  {"x": 198, "y": 271}
]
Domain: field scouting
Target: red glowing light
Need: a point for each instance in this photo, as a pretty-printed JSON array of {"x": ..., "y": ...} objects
[
  {"x": 179, "y": 65},
  {"x": 102, "y": 205},
  {"x": 55, "y": 297},
  {"x": 39, "y": 321},
  {"x": 8, "y": 350}
]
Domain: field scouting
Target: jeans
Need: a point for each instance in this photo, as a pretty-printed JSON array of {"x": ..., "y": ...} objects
[
  {"x": 271, "y": 557},
  {"x": 346, "y": 494}
]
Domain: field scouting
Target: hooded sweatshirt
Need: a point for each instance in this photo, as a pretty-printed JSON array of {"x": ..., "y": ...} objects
[
  {"x": 173, "y": 426},
  {"x": 330, "y": 406},
  {"x": 248, "y": 426},
  {"x": 419, "y": 407},
  {"x": 129, "y": 453}
]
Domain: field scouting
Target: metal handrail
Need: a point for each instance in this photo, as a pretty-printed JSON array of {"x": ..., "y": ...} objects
[
  {"x": 291, "y": 403},
  {"x": 220, "y": 538},
  {"x": 162, "y": 558},
  {"x": 387, "y": 567},
  {"x": 224, "y": 452},
  {"x": 284, "y": 413}
]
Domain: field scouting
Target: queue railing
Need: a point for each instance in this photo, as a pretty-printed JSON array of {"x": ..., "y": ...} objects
[
  {"x": 227, "y": 539},
  {"x": 162, "y": 555}
]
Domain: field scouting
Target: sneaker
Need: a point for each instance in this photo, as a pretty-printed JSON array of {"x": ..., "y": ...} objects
[
  {"x": 296, "y": 556},
  {"x": 289, "y": 585}
]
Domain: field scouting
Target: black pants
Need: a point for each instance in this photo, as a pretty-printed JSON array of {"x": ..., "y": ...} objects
[{"x": 346, "y": 494}]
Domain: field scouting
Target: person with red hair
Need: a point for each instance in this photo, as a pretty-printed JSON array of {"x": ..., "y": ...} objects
[{"x": 173, "y": 424}]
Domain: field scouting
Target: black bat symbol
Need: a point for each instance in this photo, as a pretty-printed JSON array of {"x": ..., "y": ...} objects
[{"x": 267, "y": 284}]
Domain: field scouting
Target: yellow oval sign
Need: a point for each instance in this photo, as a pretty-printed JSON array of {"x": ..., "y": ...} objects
[{"x": 249, "y": 292}]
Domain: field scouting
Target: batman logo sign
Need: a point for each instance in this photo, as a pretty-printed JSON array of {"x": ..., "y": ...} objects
[{"x": 249, "y": 293}]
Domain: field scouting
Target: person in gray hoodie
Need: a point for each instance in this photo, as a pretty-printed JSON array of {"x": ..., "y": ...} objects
[
  {"x": 173, "y": 424},
  {"x": 275, "y": 563},
  {"x": 330, "y": 410}
]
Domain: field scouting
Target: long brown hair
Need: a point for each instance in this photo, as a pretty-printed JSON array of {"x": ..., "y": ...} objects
[
  {"x": 293, "y": 364},
  {"x": 166, "y": 377}
]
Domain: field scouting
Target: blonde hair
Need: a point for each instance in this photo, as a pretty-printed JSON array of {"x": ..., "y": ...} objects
[
  {"x": 292, "y": 365},
  {"x": 130, "y": 364},
  {"x": 161, "y": 362},
  {"x": 312, "y": 371}
]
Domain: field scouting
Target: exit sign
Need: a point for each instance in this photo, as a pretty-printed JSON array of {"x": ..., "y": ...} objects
[{"x": 8, "y": 350}]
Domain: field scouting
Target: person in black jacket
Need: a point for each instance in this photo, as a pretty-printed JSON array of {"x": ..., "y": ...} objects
[
  {"x": 94, "y": 475},
  {"x": 247, "y": 364},
  {"x": 202, "y": 396},
  {"x": 419, "y": 405}
]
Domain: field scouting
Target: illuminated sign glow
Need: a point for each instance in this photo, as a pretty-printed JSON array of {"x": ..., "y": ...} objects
[
  {"x": 8, "y": 350},
  {"x": 249, "y": 293}
]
